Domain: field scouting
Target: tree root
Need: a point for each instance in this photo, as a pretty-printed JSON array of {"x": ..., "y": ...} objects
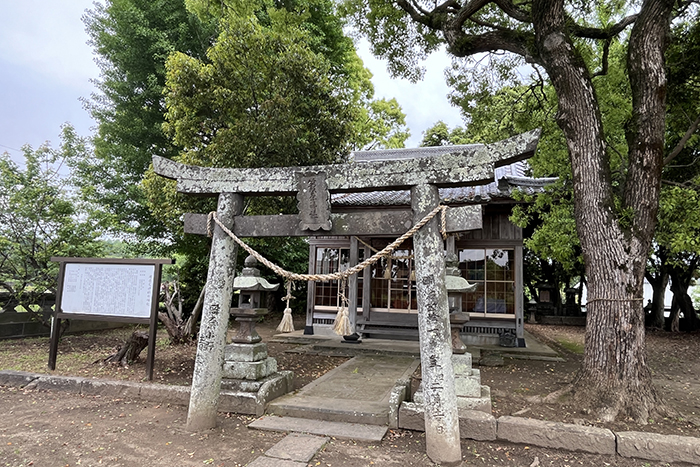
[
  {"x": 129, "y": 351},
  {"x": 609, "y": 404}
]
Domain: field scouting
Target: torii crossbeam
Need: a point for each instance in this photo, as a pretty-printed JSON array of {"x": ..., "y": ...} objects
[{"x": 312, "y": 185}]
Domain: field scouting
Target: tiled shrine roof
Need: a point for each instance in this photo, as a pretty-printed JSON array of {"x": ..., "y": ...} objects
[{"x": 507, "y": 179}]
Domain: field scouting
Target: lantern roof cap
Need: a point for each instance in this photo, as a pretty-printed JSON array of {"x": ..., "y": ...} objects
[
  {"x": 454, "y": 282},
  {"x": 250, "y": 280}
]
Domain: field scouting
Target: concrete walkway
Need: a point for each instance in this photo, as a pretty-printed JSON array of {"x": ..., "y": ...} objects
[{"x": 365, "y": 389}]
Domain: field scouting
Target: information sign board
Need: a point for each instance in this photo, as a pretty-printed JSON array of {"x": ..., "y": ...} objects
[{"x": 108, "y": 289}]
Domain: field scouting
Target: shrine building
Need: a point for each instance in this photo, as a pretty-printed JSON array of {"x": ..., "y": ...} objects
[{"x": 383, "y": 298}]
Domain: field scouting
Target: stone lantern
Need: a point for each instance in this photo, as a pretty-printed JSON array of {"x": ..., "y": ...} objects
[
  {"x": 456, "y": 286},
  {"x": 250, "y": 379},
  {"x": 252, "y": 289}
]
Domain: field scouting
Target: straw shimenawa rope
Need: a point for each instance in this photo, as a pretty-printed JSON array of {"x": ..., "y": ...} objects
[
  {"x": 341, "y": 325},
  {"x": 385, "y": 252},
  {"x": 287, "y": 324}
]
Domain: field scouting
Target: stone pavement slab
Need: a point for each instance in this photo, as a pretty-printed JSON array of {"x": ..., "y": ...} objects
[
  {"x": 356, "y": 431},
  {"x": 358, "y": 391},
  {"x": 264, "y": 461},
  {"x": 297, "y": 447}
]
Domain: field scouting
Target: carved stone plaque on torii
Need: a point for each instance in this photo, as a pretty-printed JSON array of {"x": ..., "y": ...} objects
[{"x": 312, "y": 186}]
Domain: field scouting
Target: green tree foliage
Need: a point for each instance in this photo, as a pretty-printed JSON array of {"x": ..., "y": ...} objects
[
  {"x": 615, "y": 175},
  {"x": 440, "y": 135},
  {"x": 381, "y": 124},
  {"x": 264, "y": 99},
  {"x": 41, "y": 216},
  {"x": 133, "y": 39}
]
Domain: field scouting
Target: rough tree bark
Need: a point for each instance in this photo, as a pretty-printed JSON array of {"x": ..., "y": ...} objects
[
  {"x": 615, "y": 377},
  {"x": 615, "y": 234}
]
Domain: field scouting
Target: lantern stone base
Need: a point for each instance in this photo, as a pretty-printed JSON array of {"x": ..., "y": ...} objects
[
  {"x": 250, "y": 379},
  {"x": 252, "y": 397},
  {"x": 251, "y": 371}
]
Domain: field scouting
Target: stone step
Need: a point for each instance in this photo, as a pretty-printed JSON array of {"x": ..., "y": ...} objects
[
  {"x": 356, "y": 431},
  {"x": 317, "y": 408}
]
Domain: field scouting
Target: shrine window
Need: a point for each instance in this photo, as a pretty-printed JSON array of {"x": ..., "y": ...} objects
[
  {"x": 393, "y": 286},
  {"x": 330, "y": 260},
  {"x": 493, "y": 271}
]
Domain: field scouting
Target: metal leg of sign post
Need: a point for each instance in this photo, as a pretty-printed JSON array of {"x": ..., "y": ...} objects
[
  {"x": 153, "y": 326},
  {"x": 55, "y": 320},
  {"x": 441, "y": 417},
  {"x": 53, "y": 349},
  {"x": 206, "y": 378}
]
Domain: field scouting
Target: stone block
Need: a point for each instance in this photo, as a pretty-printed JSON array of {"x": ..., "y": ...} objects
[
  {"x": 477, "y": 425},
  {"x": 249, "y": 370},
  {"x": 57, "y": 383},
  {"x": 467, "y": 386},
  {"x": 239, "y": 402},
  {"x": 241, "y": 385},
  {"x": 115, "y": 389},
  {"x": 556, "y": 435},
  {"x": 264, "y": 461},
  {"x": 664, "y": 448},
  {"x": 16, "y": 378},
  {"x": 418, "y": 395},
  {"x": 473, "y": 424},
  {"x": 339, "y": 430},
  {"x": 297, "y": 447},
  {"x": 177, "y": 395},
  {"x": 245, "y": 352},
  {"x": 255, "y": 402},
  {"x": 397, "y": 396},
  {"x": 276, "y": 386},
  {"x": 411, "y": 417},
  {"x": 482, "y": 403},
  {"x": 462, "y": 364}
]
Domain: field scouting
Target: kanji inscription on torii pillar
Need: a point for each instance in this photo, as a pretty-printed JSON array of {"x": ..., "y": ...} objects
[{"x": 312, "y": 186}]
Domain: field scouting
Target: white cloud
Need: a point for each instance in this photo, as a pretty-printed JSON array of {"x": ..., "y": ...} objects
[
  {"x": 47, "y": 37},
  {"x": 46, "y": 68},
  {"x": 425, "y": 102}
]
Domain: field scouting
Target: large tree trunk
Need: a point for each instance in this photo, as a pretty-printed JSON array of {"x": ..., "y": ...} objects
[
  {"x": 658, "y": 283},
  {"x": 614, "y": 379},
  {"x": 680, "y": 281}
]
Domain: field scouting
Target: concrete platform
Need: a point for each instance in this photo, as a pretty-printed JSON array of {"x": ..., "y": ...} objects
[
  {"x": 335, "y": 346},
  {"x": 361, "y": 390}
]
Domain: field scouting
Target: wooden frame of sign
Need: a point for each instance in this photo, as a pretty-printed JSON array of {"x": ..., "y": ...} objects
[{"x": 108, "y": 289}]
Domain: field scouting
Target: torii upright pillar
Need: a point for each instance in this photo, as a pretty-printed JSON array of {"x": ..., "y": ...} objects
[
  {"x": 206, "y": 378},
  {"x": 441, "y": 417}
]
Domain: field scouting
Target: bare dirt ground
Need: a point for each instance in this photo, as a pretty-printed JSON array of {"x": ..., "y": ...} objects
[{"x": 59, "y": 429}]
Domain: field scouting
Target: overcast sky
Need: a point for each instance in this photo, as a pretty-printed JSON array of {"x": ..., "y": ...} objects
[{"x": 46, "y": 67}]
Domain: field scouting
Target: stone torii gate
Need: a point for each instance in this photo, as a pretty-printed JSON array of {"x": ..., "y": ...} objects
[{"x": 312, "y": 185}]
